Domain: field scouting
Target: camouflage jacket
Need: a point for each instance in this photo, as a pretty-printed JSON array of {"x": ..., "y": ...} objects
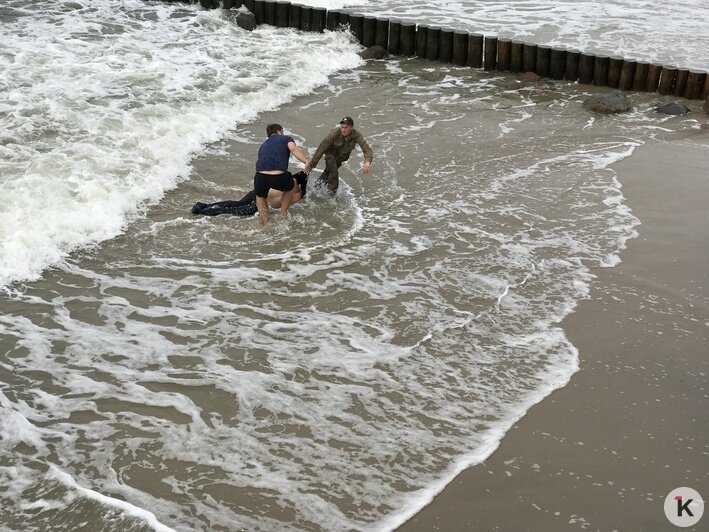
[{"x": 340, "y": 147}]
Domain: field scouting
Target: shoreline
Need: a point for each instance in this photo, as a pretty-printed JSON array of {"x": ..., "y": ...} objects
[{"x": 603, "y": 452}]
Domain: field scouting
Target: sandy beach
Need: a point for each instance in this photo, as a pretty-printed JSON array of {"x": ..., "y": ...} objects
[{"x": 604, "y": 452}]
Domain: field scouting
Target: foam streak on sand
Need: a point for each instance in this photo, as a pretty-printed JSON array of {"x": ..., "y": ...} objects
[{"x": 129, "y": 509}]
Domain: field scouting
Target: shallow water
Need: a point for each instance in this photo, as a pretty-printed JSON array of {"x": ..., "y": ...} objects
[{"x": 332, "y": 371}]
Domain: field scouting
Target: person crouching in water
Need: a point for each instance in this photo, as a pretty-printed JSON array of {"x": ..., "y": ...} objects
[{"x": 272, "y": 170}]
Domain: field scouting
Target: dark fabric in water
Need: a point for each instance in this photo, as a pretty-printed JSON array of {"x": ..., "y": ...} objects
[{"x": 246, "y": 206}]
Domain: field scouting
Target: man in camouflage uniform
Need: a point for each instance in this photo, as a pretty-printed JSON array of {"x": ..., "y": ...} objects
[{"x": 336, "y": 148}]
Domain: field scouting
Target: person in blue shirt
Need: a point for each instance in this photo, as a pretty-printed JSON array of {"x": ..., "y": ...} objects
[{"x": 272, "y": 170}]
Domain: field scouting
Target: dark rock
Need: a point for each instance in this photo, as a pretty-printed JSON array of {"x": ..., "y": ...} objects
[
  {"x": 673, "y": 109},
  {"x": 433, "y": 76},
  {"x": 243, "y": 18},
  {"x": 529, "y": 77},
  {"x": 610, "y": 103},
  {"x": 374, "y": 52}
]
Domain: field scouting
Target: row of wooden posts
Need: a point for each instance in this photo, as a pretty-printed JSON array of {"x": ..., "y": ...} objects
[{"x": 479, "y": 51}]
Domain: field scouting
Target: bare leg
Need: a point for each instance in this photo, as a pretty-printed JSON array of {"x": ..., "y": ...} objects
[
  {"x": 262, "y": 205},
  {"x": 287, "y": 199}
]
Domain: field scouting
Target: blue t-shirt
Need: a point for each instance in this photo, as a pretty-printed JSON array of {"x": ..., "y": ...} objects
[{"x": 274, "y": 153}]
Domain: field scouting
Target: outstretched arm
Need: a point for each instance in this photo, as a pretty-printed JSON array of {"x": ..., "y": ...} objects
[
  {"x": 298, "y": 153},
  {"x": 367, "y": 151}
]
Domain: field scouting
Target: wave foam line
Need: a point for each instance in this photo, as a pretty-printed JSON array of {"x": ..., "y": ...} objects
[{"x": 134, "y": 511}]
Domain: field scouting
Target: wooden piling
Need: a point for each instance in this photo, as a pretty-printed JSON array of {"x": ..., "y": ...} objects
[
  {"x": 600, "y": 70},
  {"x": 558, "y": 63},
  {"x": 206, "y": 4},
  {"x": 333, "y": 19},
  {"x": 260, "y": 11},
  {"x": 432, "y": 36},
  {"x": 408, "y": 39},
  {"x": 370, "y": 31},
  {"x": 395, "y": 37},
  {"x": 627, "y": 74},
  {"x": 318, "y": 18},
  {"x": 445, "y": 46},
  {"x": 228, "y": 4},
  {"x": 475, "y": 50},
  {"x": 357, "y": 27},
  {"x": 653, "y": 77},
  {"x": 615, "y": 65},
  {"x": 294, "y": 18},
  {"x": 667, "y": 79},
  {"x": 705, "y": 91},
  {"x": 460, "y": 48},
  {"x": 421, "y": 38},
  {"x": 490, "y": 53},
  {"x": 306, "y": 18},
  {"x": 571, "y": 72},
  {"x": 516, "y": 56},
  {"x": 529, "y": 58},
  {"x": 504, "y": 51},
  {"x": 344, "y": 18},
  {"x": 250, "y": 5},
  {"x": 270, "y": 12},
  {"x": 381, "y": 33},
  {"x": 640, "y": 76},
  {"x": 695, "y": 82},
  {"x": 680, "y": 82},
  {"x": 282, "y": 14},
  {"x": 543, "y": 66},
  {"x": 586, "y": 65}
]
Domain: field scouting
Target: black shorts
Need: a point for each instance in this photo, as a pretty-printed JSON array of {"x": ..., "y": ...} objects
[{"x": 264, "y": 182}]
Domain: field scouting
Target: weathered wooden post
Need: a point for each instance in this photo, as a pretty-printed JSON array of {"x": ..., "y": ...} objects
[
  {"x": 408, "y": 39},
  {"x": 615, "y": 65},
  {"x": 260, "y": 11},
  {"x": 294, "y": 18},
  {"x": 667, "y": 79},
  {"x": 529, "y": 58},
  {"x": 475, "y": 50},
  {"x": 490, "y": 53},
  {"x": 600, "y": 71},
  {"x": 306, "y": 18},
  {"x": 228, "y": 4},
  {"x": 432, "y": 36},
  {"x": 653, "y": 77},
  {"x": 627, "y": 74},
  {"x": 460, "y": 48},
  {"x": 357, "y": 27},
  {"x": 695, "y": 81},
  {"x": 421, "y": 39},
  {"x": 282, "y": 14},
  {"x": 317, "y": 22},
  {"x": 333, "y": 19},
  {"x": 705, "y": 92},
  {"x": 571, "y": 72},
  {"x": 558, "y": 63},
  {"x": 586, "y": 64},
  {"x": 516, "y": 56},
  {"x": 543, "y": 66},
  {"x": 640, "y": 76},
  {"x": 445, "y": 46},
  {"x": 680, "y": 82},
  {"x": 504, "y": 51},
  {"x": 381, "y": 33},
  {"x": 344, "y": 18},
  {"x": 370, "y": 31},
  {"x": 270, "y": 12},
  {"x": 395, "y": 37},
  {"x": 250, "y": 5},
  {"x": 206, "y": 4}
]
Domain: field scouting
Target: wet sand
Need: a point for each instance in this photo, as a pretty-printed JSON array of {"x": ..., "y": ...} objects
[{"x": 604, "y": 452}]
